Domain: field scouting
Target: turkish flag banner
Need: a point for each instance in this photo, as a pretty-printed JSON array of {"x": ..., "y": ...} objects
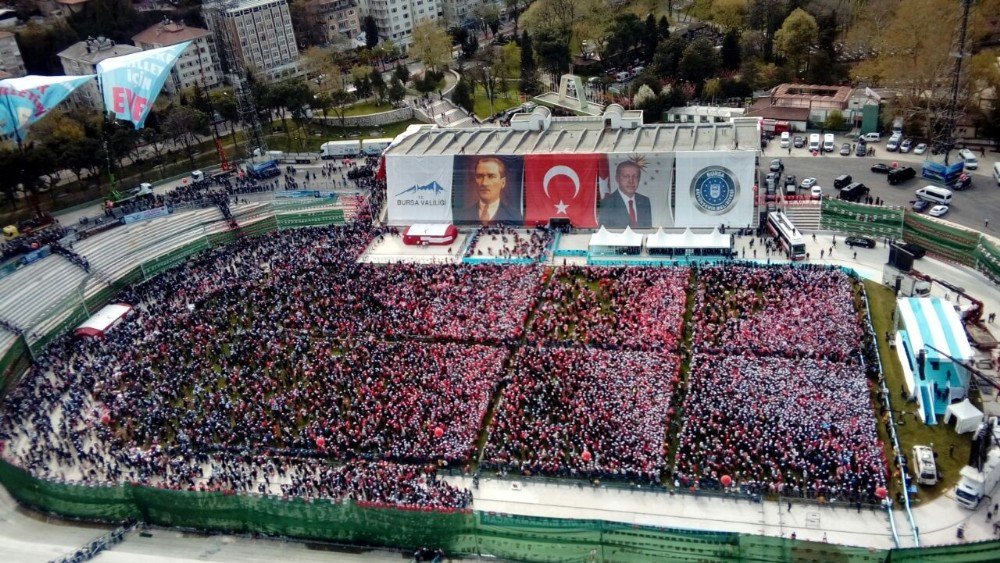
[{"x": 562, "y": 186}]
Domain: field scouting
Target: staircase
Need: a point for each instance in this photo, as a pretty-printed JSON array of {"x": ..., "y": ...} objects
[{"x": 805, "y": 215}]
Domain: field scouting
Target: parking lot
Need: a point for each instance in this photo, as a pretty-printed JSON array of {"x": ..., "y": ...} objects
[{"x": 969, "y": 207}]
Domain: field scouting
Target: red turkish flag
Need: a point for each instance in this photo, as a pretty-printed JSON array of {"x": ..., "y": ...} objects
[{"x": 562, "y": 186}]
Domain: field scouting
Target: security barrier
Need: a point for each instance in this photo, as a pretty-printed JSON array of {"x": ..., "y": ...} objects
[
  {"x": 861, "y": 219},
  {"x": 503, "y": 536},
  {"x": 952, "y": 242}
]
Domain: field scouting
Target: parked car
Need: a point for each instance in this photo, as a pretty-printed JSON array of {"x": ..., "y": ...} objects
[
  {"x": 872, "y": 137},
  {"x": 921, "y": 205},
  {"x": 900, "y": 175},
  {"x": 881, "y": 168},
  {"x": 864, "y": 242},
  {"x": 906, "y": 145},
  {"x": 791, "y": 179},
  {"x": 816, "y": 192},
  {"x": 845, "y": 149},
  {"x": 921, "y": 148},
  {"x": 964, "y": 182},
  {"x": 842, "y": 180},
  {"x": 808, "y": 183},
  {"x": 893, "y": 143},
  {"x": 786, "y": 141},
  {"x": 777, "y": 166},
  {"x": 862, "y": 149},
  {"x": 938, "y": 210},
  {"x": 799, "y": 141}
]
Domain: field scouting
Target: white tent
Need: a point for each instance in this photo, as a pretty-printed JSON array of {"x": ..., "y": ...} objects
[
  {"x": 688, "y": 240},
  {"x": 604, "y": 238},
  {"x": 967, "y": 416}
]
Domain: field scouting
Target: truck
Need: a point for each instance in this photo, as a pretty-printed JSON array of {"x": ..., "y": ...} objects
[
  {"x": 265, "y": 170},
  {"x": 980, "y": 477},
  {"x": 814, "y": 142},
  {"x": 774, "y": 127},
  {"x": 339, "y": 149},
  {"x": 375, "y": 147}
]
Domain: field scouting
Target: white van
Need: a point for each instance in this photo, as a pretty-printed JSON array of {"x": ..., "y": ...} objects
[
  {"x": 934, "y": 194},
  {"x": 996, "y": 173},
  {"x": 872, "y": 137},
  {"x": 814, "y": 142},
  {"x": 969, "y": 157},
  {"x": 828, "y": 144},
  {"x": 924, "y": 466},
  {"x": 786, "y": 139}
]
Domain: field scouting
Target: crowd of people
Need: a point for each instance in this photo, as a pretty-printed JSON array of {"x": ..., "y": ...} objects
[
  {"x": 584, "y": 412},
  {"x": 613, "y": 308},
  {"x": 796, "y": 427},
  {"x": 503, "y": 241},
  {"x": 776, "y": 310}
]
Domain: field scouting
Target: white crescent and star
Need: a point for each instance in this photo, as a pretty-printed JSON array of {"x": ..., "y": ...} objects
[{"x": 561, "y": 170}]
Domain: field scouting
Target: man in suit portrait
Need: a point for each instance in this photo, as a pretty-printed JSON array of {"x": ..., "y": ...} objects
[
  {"x": 624, "y": 207},
  {"x": 490, "y": 204}
]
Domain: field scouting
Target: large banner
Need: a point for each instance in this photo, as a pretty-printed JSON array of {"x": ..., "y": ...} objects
[
  {"x": 562, "y": 186},
  {"x": 419, "y": 189},
  {"x": 714, "y": 188},
  {"x": 637, "y": 192},
  {"x": 25, "y": 100},
  {"x": 131, "y": 83},
  {"x": 487, "y": 189}
]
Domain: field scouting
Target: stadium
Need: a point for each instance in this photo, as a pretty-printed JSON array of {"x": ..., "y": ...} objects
[{"x": 610, "y": 358}]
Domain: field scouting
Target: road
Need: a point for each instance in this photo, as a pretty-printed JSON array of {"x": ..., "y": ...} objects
[{"x": 969, "y": 208}]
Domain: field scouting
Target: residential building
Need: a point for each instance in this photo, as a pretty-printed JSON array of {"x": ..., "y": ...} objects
[
  {"x": 260, "y": 33},
  {"x": 10, "y": 55},
  {"x": 198, "y": 64},
  {"x": 396, "y": 19},
  {"x": 341, "y": 18},
  {"x": 82, "y": 58},
  {"x": 462, "y": 13},
  {"x": 702, "y": 114},
  {"x": 803, "y": 103}
]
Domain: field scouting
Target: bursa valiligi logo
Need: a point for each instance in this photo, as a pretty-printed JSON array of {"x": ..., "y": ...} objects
[
  {"x": 715, "y": 190},
  {"x": 421, "y": 195}
]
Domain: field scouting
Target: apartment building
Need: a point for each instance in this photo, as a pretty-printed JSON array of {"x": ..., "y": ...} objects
[
  {"x": 198, "y": 64},
  {"x": 261, "y": 34},
  {"x": 82, "y": 58}
]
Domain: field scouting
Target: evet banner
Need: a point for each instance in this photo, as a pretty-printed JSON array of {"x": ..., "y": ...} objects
[
  {"x": 714, "y": 188},
  {"x": 131, "y": 83},
  {"x": 487, "y": 189},
  {"x": 562, "y": 186},
  {"x": 638, "y": 193},
  {"x": 419, "y": 189}
]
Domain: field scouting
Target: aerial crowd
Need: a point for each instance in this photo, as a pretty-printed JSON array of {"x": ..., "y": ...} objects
[{"x": 281, "y": 365}]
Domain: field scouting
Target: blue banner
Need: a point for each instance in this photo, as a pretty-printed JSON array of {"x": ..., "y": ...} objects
[
  {"x": 131, "y": 83},
  {"x": 36, "y": 255},
  {"x": 147, "y": 214},
  {"x": 295, "y": 194},
  {"x": 940, "y": 172},
  {"x": 25, "y": 100}
]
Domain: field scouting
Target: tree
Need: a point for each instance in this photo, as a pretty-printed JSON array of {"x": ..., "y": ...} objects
[
  {"x": 529, "y": 70},
  {"x": 401, "y": 73},
  {"x": 183, "y": 123},
  {"x": 396, "y": 91},
  {"x": 361, "y": 78},
  {"x": 663, "y": 28},
  {"x": 370, "y": 28},
  {"x": 643, "y": 95},
  {"x": 40, "y": 44},
  {"x": 730, "y": 14},
  {"x": 510, "y": 59},
  {"x": 730, "y": 52},
  {"x": 650, "y": 38},
  {"x": 489, "y": 73},
  {"x": 470, "y": 45},
  {"x": 114, "y": 19},
  {"x": 796, "y": 36},
  {"x": 379, "y": 87},
  {"x": 623, "y": 34},
  {"x": 339, "y": 100},
  {"x": 834, "y": 121},
  {"x": 699, "y": 61},
  {"x": 553, "y": 52},
  {"x": 431, "y": 45},
  {"x": 309, "y": 29},
  {"x": 461, "y": 95}
]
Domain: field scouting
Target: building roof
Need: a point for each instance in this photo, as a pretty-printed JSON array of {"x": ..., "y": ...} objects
[
  {"x": 89, "y": 52},
  {"x": 815, "y": 92},
  {"x": 579, "y": 135},
  {"x": 763, "y": 108},
  {"x": 710, "y": 111},
  {"x": 169, "y": 33},
  {"x": 934, "y": 321}
]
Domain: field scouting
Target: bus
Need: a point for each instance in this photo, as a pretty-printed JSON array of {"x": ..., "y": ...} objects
[{"x": 790, "y": 238}]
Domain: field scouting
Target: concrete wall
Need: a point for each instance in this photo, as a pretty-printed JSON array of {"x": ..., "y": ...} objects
[{"x": 370, "y": 120}]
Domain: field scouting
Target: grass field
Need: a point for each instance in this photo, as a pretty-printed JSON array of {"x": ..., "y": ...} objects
[
  {"x": 364, "y": 108},
  {"x": 502, "y": 102},
  {"x": 909, "y": 428}
]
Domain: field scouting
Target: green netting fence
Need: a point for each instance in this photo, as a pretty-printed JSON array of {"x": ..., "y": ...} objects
[
  {"x": 867, "y": 220},
  {"x": 952, "y": 242},
  {"x": 502, "y": 536},
  {"x": 988, "y": 258}
]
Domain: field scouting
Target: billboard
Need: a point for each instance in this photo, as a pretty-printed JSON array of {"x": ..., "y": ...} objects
[
  {"x": 714, "y": 188},
  {"x": 638, "y": 191},
  {"x": 562, "y": 186},
  {"x": 419, "y": 189},
  {"x": 487, "y": 189}
]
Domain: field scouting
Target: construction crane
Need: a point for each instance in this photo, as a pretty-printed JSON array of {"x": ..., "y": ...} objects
[
  {"x": 953, "y": 111},
  {"x": 238, "y": 77}
]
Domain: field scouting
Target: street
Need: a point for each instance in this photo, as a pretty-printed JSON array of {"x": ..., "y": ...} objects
[{"x": 969, "y": 207}]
